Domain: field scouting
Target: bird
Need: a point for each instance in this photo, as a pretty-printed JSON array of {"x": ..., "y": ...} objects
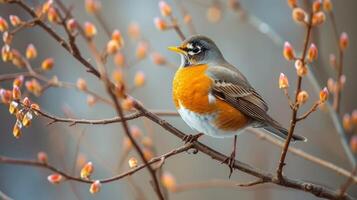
[{"x": 214, "y": 98}]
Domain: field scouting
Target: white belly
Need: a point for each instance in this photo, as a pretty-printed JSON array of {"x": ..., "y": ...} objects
[{"x": 204, "y": 124}]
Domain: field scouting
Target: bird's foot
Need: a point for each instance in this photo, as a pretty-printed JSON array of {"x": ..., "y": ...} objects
[
  {"x": 191, "y": 138},
  {"x": 230, "y": 162}
]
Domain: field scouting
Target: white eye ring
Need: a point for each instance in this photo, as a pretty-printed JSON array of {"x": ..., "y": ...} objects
[{"x": 193, "y": 50}]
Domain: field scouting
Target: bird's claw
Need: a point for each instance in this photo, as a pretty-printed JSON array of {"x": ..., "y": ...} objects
[
  {"x": 191, "y": 138},
  {"x": 230, "y": 162}
]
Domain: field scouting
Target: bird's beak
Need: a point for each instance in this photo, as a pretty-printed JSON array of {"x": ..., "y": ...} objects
[{"x": 177, "y": 50}]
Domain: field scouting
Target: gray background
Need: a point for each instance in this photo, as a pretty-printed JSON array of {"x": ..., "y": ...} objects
[{"x": 252, "y": 52}]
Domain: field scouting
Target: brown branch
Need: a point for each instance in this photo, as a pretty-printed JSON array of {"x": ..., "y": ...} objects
[
  {"x": 312, "y": 109},
  {"x": 296, "y": 105},
  {"x": 315, "y": 189},
  {"x": 57, "y": 37},
  {"x": 323, "y": 163},
  {"x": 34, "y": 163},
  {"x": 214, "y": 183}
]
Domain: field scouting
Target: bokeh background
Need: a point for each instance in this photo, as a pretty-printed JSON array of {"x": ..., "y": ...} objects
[{"x": 251, "y": 51}]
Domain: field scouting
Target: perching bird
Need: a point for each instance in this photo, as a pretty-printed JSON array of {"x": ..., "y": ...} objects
[{"x": 215, "y": 98}]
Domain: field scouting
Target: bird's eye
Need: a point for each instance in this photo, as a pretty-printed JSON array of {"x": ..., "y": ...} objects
[{"x": 194, "y": 49}]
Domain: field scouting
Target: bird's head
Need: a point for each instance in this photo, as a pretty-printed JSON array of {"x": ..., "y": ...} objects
[{"x": 198, "y": 49}]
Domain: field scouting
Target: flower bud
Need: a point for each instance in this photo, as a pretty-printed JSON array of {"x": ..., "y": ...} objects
[
  {"x": 147, "y": 142},
  {"x": 333, "y": 61},
  {"x": 165, "y": 8},
  {"x": 15, "y": 20},
  {"x": 7, "y": 38},
  {"x": 127, "y": 145},
  {"x": 302, "y": 97},
  {"x": 16, "y": 93},
  {"x": 168, "y": 181},
  {"x": 301, "y": 69},
  {"x": 148, "y": 154},
  {"x": 283, "y": 81},
  {"x": 139, "y": 79},
  {"x": 119, "y": 59},
  {"x": 3, "y": 25},
  {"x": 42, "y": 157},
  {"x": 127, "y": 104},
  {"x": 46, "y": 6},
  {"x": 31, "y": 52},
  {"x": 87, "y": 170},
  {"x": 214, "y": 14},
  {"x": 323, "y": 95},
  {"x": 133, "y": 162},
  {"x": 91, "y": 100},
  {"x": 90, "y": 30},
  {"x": 187, "y": 19},
  {"x": 141, "y": 50},
  {"x": 344, "y": 41},
  {"x": 18, "y": 81},
  {"x": 299, "y": 15},
  {"x": 118, "y": 76},
  {"x": 327, "y": 4},
  {"x": 318, "y": 18},
  {"x": 135, "y": 132},
  {"x": 347, "y": 122},
  {"x": 16, "y": 131},
  {"x": 72, "y": 25},
  {"x": 331, "y": 85},
  {"x": 112, "y": 47},
  {"x": 35, "y": 107},
  {"x": 26, "y": 101},
  {"x": 134, "y": 31},
  {"x": 117, "y": 36},
  {"x": 353, "y": 144},
  {"x": 26, "y": 120},
  {"x": 288, "y": 51},
  {"x": 6, "y": 53},
  {"x": 292, "y": 3},
  {"x": 5, "y": 95},
  {"x": 160, "y": 24},
  {"x": 354, "y": 117},
  {"x": 312, "y": 53},
  {"x": 81, "y": 84},
  {"x": 95, "y": 187},
  {"x": 53, "y": 16},
  {"x": 316, "y": 6},
  {"x": 92, "y": 6},
  {"x": 13, "y": 107},
  {"x": 55, "y": 178},
  {"x": 158, "y": 59},
  {"x": 47, "y": 64}
]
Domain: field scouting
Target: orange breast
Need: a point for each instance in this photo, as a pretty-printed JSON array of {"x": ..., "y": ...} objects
[{"x": 191, "y": 87}]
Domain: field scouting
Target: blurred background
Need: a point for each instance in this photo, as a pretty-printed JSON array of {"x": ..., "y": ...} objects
[{"x": 255, "y": 54}]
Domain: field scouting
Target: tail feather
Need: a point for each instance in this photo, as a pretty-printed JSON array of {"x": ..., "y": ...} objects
[{"x": 276, "y": 129}]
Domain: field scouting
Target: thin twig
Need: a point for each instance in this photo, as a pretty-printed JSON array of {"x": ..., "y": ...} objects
[
  {"x": 348, "y": 183},
  {"x": 296, "y": 105},
  {"x": 34, "y": 163}
]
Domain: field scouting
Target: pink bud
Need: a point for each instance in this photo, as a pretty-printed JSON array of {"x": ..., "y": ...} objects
[
  {"x": 165, "y": 8},
  {"x": 312, "y": 53},
  {"x": 283, "y": 81},
  {"x": 344, "y": 41},
  {"x": 55, "y": 178},
  {"x": 288, "y": 51},
  {"x": 160, "y": 24}
]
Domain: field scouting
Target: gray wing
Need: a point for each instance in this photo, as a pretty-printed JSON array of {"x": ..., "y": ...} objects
[{"x": 231, "y": 86}]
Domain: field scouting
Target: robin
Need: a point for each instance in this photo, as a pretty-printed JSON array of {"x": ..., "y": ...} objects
[{"x": 215, "y": 98}]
